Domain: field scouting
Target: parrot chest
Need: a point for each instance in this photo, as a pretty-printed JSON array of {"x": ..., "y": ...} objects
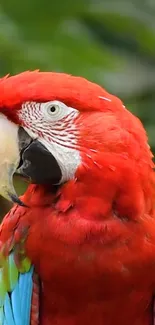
[
  {"x": 82, "y": 291},
  {"x": 92, "y": 282},
  {"x": 129, "y": 309}
]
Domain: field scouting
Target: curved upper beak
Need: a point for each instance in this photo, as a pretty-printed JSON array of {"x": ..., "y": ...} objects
[{"x": 9, "y": 158}]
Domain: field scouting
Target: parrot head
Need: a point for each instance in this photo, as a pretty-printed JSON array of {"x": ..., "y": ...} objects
[{"x": 56, "y": 129}]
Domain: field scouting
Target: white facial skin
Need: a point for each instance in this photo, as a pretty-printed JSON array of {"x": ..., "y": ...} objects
[{"x": 52, "y": 123}]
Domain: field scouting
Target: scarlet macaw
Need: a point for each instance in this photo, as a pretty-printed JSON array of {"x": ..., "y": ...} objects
[{"x": 78, "y": 248}]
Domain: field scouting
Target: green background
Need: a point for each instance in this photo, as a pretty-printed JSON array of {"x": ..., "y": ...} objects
[{"x": 110, "y": 42}]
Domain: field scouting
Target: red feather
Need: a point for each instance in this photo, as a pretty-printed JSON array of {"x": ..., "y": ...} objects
[{"x": 43, "y": 86}]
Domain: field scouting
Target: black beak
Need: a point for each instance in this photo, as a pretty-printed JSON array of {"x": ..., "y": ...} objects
[{"x": 37, "y": 163}]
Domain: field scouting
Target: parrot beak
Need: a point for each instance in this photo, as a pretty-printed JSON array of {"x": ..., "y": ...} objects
[
  {"x": 21, "y": 154},
  {"x": 9, "y": 158}
]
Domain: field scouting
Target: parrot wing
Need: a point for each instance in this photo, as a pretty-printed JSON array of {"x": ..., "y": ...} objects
[{"x": 17, "y": 276}]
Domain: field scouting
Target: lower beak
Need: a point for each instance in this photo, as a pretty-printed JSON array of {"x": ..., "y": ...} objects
[{"x": 39, "y": 165}]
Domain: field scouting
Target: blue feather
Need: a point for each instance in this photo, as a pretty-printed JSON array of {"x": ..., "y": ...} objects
[
  {"x": 17, "y": 305},
  {"x": 25, "y": 291},
  {"x": 8, "y": 310},
  {"x": 5, "y": 322}
]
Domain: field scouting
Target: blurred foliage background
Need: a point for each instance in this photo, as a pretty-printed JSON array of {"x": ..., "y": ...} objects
[{"x": 110, "y": 42}]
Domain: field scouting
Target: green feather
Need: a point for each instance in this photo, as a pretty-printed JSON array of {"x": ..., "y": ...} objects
[
  {"x": 25, "y": 265},
  {"x": 13, "y": 272},
  {"x": 1, "y": 315},
  {"x": 3, "y": 286},
  {"x": 10, "y": 267}
]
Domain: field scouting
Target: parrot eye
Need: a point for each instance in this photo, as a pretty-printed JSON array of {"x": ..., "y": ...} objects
[{"x": 55, "y": 110}]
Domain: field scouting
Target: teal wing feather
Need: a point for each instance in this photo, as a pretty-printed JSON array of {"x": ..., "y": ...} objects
[{"x": 16, "y": 288}]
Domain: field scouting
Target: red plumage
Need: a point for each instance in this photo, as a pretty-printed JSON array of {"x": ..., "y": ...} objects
[
  {"x": 43, "y": 86},
  {"x": 93, "y": 241}
]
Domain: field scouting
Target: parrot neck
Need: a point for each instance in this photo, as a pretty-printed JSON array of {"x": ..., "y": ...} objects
[{"x": 120, "y": 190}]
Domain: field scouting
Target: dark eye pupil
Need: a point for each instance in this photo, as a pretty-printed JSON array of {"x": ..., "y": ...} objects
[{"x": 52, "y": 109}]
